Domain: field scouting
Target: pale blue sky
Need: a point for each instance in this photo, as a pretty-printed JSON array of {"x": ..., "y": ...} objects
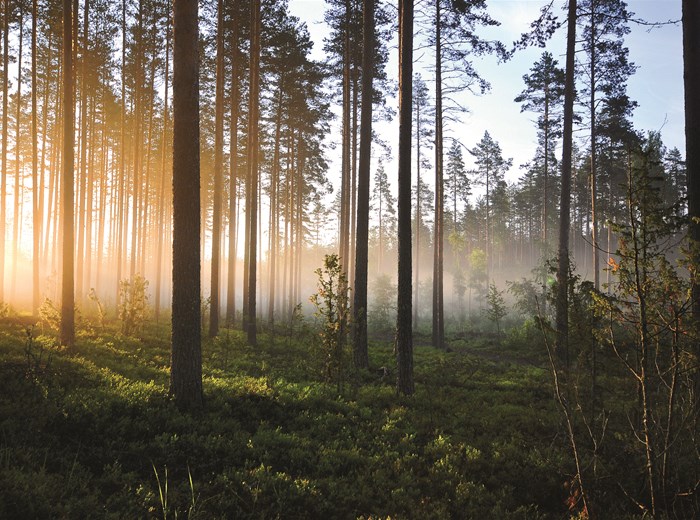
[{"x": 657, "y": 86}]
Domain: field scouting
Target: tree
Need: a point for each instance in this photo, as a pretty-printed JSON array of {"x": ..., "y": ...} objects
[
  {"x": 457, "y": 183},
  {"x": 543, "y": 94},
  {"x": 423, "y": 198},
  {"x": 186, "y": 353},
  {"x": 490, "y": 169},
  {"x": 607, "y": 71},
  {"x": 36, "y": 221},
  {"x": 360, "y": 354},
  {"x": 3, "y": 165},
  {"x": 562, "y": 299},
  {"x": 218, "y": 174},
  {"x": 404, "y": 333},
  {"x": 385, "y": 206},
  {"x": 67, "y": 285},
  {"x": 252, "y": 180},
  {"x": 691, "y": 81},
  {"x": 496, "y": 306}
]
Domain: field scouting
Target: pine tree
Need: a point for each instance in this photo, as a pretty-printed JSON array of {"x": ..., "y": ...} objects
[
  {"x": 490, "y": 169},
  {"x": 68, "y": 280},
  {"x": 186, "y": 353},
  {"x": 404, "y": 333},
  {"x": 543, "y": 94}
]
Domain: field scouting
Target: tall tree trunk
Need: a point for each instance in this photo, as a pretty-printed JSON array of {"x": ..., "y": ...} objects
[
  {"x": 161, "y": 198},
  {"x": 83, "y": 167},
  {"x": 3, "y": 182},
  {"x": 252, "y": 202},
  {"x": 438, "y": 241},
  {"x": 136, "y": 142},
  {"x": 361, "y": 356},
  {"x": 36, "y": 220},
  {"x": 594, "y": 192},
  {"x": 123, "y": 199},
  {"x": 218, "y": 174},
  {"x": 691, "y": 78},
  {"x": 67, "y": 285},
  {"x": 345, "y": 187},
  {"x": 274, "y": 210},
  {"x": 186, "y": 353},
  {"x": 233, "y": 181},
  {"x": 404, "y": 332},
  {"x": 18, "y": 162},
  {"x": 562, "y": 304}
]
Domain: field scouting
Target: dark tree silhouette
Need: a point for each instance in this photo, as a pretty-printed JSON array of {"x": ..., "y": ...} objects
[
  {"x": 186, "y": 353},
  {"x": 218, "y": 174},
  {"x": 68, "y": 282},
  {"x": 691, "y": 78},
  {"x": 404, "y": 334},
  {"x": 361, "y": 357},
  {"x": 562, "y": 302}
]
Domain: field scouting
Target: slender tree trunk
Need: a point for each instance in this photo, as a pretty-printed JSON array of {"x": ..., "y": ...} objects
[
  {"x": 252, "y": 202},
  {"x": 3, "y": 182},
  {"x": 123, "y": 198},
  {"x": 594, "y": 192},
  {"x": 136, "y": 142},
  {"x": 163, "y": 173},
  {"x": 438, "y": 241},
  {"x": 218, "y": 174},
  {"x": 233, "y": 181},
  {"x": 361, "y": 356},
  {"x": 36, "y": 214},
  {"x": 274, "y": 210},
  {"x": 18, "y": 161},
  {"x": 346, "y": 155},
  {"x": 83, "y": 167},
  {"x": 562, "y": 304},
  {"x": 67, "y": 286},
  {"x": 404, "y": 333},
  {"x": 419, "y": 219},
  {"x": 186, "y": 353},
  {"x": 691, "y": 78}
]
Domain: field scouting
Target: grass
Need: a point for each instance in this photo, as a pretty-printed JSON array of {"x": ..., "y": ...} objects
[{"x": 93, "y": 433}]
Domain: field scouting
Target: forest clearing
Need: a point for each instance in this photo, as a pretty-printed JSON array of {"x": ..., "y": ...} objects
[{"x": 350, "y": 259}]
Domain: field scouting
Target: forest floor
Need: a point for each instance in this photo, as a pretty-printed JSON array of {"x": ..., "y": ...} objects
[{"x": 93, "y": 433}]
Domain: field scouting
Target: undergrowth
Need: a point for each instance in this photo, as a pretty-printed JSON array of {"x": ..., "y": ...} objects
[{"x": 93, "y": 433}]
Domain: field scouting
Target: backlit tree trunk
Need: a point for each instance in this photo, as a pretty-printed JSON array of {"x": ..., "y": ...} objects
[
  {"x": 404, "y": 333},
  {"x": 67, "y": 285},
  {"x": 186, "y": 354},
  {"x": 361, "y": 357},
  {"x": 562, "y": 303},
  {"x": 218, "y": 174}
]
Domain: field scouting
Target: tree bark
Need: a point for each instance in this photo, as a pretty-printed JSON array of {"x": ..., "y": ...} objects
[
  {"x": 562, "y": 310},
  {"x": 161, "y": 198},
  {"x": 252, "y": 195},
  {"x": 691, "y": 79},
  {"x": 186, "y": 354},
  {"x": 67, "y": 285},
  {"x": 404, "y": 333},
  {"x": 218, "y": 174},
  {"x": 361, "y": 356},
  {"x": 36, "y": 220},
  {"x": 438, "y": 242}
]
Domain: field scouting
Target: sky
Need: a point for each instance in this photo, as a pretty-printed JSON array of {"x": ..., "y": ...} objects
[{"x": 657, "y": 85}]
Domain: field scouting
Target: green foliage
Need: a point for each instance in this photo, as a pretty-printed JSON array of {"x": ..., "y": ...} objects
[
  {"x": 50, "y": 315},
  {"x": 382, "y": 306},
  {"x": 332, "y": 311},
  {"x": 478, "y": 277},
  {"x": 101, "y": 310},
  {"x": 133, "y": 304},
  {"x": 496, "y": 306}
]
